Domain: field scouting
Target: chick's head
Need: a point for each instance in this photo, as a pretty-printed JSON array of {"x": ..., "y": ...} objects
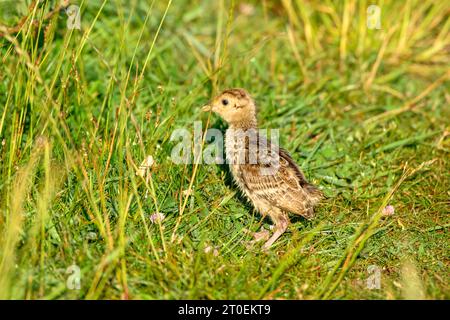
[{"x": 235, "y": 106}]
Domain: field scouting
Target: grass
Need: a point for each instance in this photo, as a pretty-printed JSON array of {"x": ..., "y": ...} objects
[{"x": 365, "y": 112}]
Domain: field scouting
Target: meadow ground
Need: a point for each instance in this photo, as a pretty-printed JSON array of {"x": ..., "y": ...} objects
[{"x": 364, "y": 111}]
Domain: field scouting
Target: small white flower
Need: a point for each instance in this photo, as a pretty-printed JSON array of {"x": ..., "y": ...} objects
[
  {"x": 157, "y": 217},
  {"x": 215, "y": 252},
  {"x": 207, "y": 249},
  {"x": 145, "y": 165},
  {"x": 388, "y": 211}
]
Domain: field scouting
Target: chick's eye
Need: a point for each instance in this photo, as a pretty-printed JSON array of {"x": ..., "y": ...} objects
[{"x": 224, "y": 102}]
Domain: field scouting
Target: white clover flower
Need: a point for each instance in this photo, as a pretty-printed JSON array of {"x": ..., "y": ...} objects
[
  {"x": 157, "y": 217},
  {"x": 145, "y": 165},
  {"x": 388, "y": 211}
]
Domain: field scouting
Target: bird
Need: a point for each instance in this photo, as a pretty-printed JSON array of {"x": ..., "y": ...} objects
[{"x": 264, "y": 172}]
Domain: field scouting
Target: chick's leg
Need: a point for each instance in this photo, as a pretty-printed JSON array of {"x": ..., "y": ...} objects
[
  {"x": 263, "y": 234},
  {"x": 281, "y": 221}
]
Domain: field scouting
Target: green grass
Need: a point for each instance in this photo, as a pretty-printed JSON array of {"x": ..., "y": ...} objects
[{"x": 365, "y": 112}]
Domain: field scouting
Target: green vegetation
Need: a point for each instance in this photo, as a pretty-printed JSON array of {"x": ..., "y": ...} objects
[{"x": 364, "y": 111}]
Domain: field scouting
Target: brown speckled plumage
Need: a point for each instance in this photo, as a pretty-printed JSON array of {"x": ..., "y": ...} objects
[{"x": 265, "y": 173}]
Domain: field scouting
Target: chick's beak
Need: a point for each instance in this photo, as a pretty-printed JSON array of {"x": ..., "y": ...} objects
[{"x": 206, "y": 108}]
